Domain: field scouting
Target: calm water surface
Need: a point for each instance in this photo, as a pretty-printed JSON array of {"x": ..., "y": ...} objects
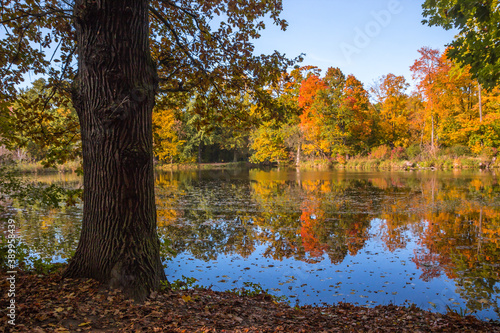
[{"x": 428, "y": 238}]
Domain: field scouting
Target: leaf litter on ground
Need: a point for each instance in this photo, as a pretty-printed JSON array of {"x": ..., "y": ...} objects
[{"x": 48, "y": 303}]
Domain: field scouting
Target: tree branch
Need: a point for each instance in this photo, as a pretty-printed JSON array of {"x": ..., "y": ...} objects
[
  {"x": 37, "y": 15},
  {"x": 184, "y": 49},
  {"x": 163, "y": 20},
  {"x": 194, "y": 16}
]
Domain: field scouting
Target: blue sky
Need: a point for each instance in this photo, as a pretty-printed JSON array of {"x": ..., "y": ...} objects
[{"x": 367, "y": 38}]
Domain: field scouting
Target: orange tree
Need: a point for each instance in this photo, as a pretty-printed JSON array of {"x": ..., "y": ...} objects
[
  {"x": 424, "y": 70},
  {"x": 335, "y": 116},
  {"x": 356, "y": 102},
  {"x": 311, "y": 120}
]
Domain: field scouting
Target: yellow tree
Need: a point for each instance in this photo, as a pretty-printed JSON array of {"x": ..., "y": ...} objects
[
  {"x": 166, "y": 141},
  {"x": 394, "y": 113},
  {"x": 455, "y": 102},
  {"x": 277, "y": 131},
  {"x": 490, "y": 125},
  {"x": 267, "y": 144},
  {"x": 416, "y": 117},
  {"x": 463, "y": 118},
  {"x": 356, "y": 102}
]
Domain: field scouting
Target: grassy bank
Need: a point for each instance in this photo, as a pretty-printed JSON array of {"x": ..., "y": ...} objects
[
  {"x": 439, "y": 163},
  {"x": 359, "y": 163},
  {"x": 380, "y": 158},
  {"x": 202, "y": 166},
  {"x": 37, "y": 167},
  {"x": 412, "y": 158},
  {"x": 73, "y": 166}
]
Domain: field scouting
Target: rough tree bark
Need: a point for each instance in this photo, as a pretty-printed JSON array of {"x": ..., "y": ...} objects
[{"x": 114, "y": 97}]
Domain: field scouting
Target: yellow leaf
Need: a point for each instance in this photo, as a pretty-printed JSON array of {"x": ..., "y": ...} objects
[
  {"x": 186, "y": 298},
  {"x": 85, "y": 324}
]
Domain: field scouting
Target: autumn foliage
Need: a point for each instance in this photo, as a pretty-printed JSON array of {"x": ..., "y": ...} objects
[{"x": 306, "y": 116}]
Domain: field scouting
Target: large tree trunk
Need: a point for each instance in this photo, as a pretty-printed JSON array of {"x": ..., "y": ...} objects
[{"x": 114, "y": 96}]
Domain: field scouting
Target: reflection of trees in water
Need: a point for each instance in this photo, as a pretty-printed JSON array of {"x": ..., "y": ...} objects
[
  {"x": 466, "y": 248},
  {"x": 458, "y": 232},
  {"x": 460, "y": 238},
  {"x": 331, "y": 219},
  {"x": 455, "y": 220},
  {"x": 302, "y": 220},
  {"x": 49, "y": 232},
  {"x": 205, "y": 218}
]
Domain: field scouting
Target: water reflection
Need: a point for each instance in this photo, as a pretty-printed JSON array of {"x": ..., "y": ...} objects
[
  {"x": 427, "y": 238},
  {"x": 50, "y": 233},
  {"x": 447, "y": 225}
]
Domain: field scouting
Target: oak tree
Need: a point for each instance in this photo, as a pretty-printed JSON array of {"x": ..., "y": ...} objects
[{"x": 114, "y": 58}]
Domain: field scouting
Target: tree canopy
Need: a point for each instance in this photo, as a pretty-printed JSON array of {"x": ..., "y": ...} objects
[
  {"x": 201, "y": 47},
  {"x": 477, "y": 43}
]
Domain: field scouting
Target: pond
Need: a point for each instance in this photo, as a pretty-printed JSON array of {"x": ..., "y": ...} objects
[{"x": 422, "y": 237}]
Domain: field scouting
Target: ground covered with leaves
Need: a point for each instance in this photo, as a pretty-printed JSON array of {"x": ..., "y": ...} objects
[{"x": 47, "y": 303}]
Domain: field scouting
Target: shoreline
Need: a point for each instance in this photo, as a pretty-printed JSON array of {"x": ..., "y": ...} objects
[
  {"x": 51, "y": 304},
  {"x": 363, "y": 163}
]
